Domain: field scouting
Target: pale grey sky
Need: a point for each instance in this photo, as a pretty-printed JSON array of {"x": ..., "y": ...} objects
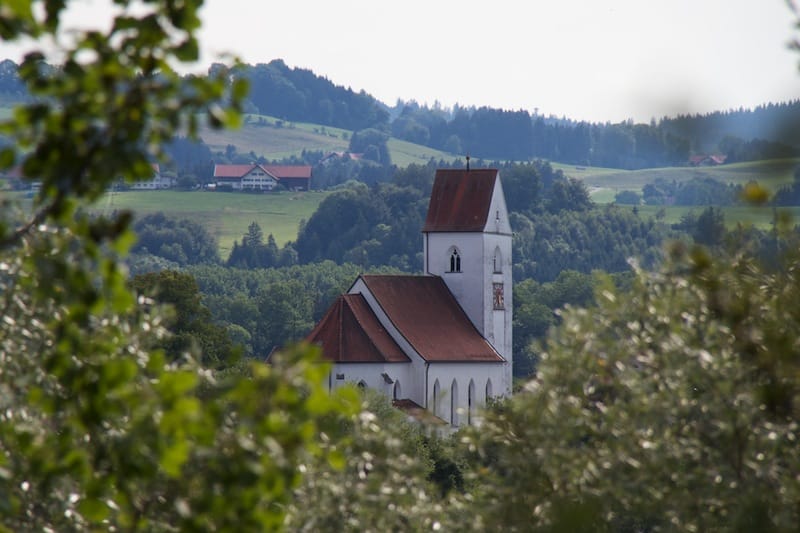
[
  {"x": 586, "y": 59},
  {"x": 597, "y": 60}
]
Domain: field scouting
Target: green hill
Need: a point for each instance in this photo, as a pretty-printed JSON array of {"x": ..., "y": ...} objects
[
  {"x": 273, "y": 138},
  {"x": 604, "y": 183}
]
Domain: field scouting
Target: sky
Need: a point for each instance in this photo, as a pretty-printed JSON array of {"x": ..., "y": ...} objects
[{"x": 595, "y": 60}]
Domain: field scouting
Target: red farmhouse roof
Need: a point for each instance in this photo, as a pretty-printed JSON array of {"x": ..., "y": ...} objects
[
  {"x": 427, "y": 315},
  {"x": 278, "y": 171},
  {"x": 288, "y": 171},
  {"x": 460, "y": 200},
  {"x": 350, "y": 333}
]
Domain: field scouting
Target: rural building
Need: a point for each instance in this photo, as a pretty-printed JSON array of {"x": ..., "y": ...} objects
[
  {"x": 157, "y": 182},
  {"x": 256, "y": 177},
  {"x": 704, "y": 160},
  {"x": 440, "y": 341}
]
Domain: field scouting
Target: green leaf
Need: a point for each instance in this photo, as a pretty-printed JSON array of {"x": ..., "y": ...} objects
[
  {"x": 7, "y": 158},
  {"x": 93, "y": 509},
  {"x": 173, "y": 458}
]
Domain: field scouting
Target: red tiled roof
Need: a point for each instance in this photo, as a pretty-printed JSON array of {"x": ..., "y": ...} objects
[
  {"x": 232, "y": 171},
  {"x": 460, "y": 200},
  {"x": 288, "y": 171},
  {"x": 278, "y": 171},
  {"x": 350, "y": 333},
  {"x": 426, "y": 313}
]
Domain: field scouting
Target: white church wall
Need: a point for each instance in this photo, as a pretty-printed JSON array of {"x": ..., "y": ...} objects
[
  {"x": 378, "y": 376},
  {"x": 498, "y": 322},
  {"x": 444, "y": 401}
]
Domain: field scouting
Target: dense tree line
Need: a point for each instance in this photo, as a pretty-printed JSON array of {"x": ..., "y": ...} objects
[
  {"x": 366, "y": 226},
  {"x": 773, "y": 122},
  {"x": 190, "y": 323},
  {"x": 789, "y": 194},
  {"x": 495, "y": 133},
  {"x": 177, "y": 240},
  {"x": 264, "y": 309},
  {"x": 299, "y": 95},
  {"x": 694, "y": 192},
  {"x": 600, "y": 239}
]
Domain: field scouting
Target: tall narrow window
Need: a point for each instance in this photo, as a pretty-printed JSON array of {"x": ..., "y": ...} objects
[
  {"x": 396, "y": 392},
  {"x": 454, "y": 404},
  {"x": 436, "y": 397},
  {"x": 471, "y": 403},
  {"x": 455, "y": 262},
  {"x": 498, "y": 261}
]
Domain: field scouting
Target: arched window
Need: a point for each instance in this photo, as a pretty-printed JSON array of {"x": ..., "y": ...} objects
[
  {"x": 455, "y": 261},
  {"x": 498, "y": 261},
  {"x": 396, "y": 392},
  {"x": 471, "y": 402},
  {"x": 454, "y": 403},
  {"x": 489, "y": 392},
  {"x": 436, "y": 398}
]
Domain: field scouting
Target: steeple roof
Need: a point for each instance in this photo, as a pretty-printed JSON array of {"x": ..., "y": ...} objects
[{"x": 460, "y": 200}]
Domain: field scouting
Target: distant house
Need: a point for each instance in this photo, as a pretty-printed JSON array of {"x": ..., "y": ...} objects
[
  {"x": 255, "y": 177},
  {"x": 705, "y": 160},
  {"x": 157, "y": 182},
  {"x": 337, "y": 156}
]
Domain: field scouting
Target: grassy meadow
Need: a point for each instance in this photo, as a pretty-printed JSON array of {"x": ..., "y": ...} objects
[
  {"x": 226, "y": 215},
  {"x": 605, "y": 183},
  {"x": 273, "y": 138}
]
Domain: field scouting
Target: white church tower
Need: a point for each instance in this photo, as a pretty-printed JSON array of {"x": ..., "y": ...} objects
[{"x": 467, "y": 242}]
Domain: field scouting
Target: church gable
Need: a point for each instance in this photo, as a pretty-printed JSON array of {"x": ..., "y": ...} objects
[
  {"x": 461, "y": 200},
  {"x": 429, "y": 318},
  {"x": 351, "y": 333}
]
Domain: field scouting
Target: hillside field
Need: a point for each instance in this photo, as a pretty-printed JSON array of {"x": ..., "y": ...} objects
[
  {"x": 226, "y": 215},
  {"x": 273, "y": 138},
  {"x": 605, "y": 183}
]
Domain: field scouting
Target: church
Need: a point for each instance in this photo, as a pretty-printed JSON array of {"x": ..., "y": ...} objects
[{"x": 440, "y": 341}]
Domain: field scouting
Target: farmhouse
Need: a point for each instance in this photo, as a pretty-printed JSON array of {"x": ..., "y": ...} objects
[
  {"x": 157, "y": 182},
  {"x": 440, "y": 341},
  {"x": 256, "y": 177},
  {"x": 704, "y": 160}
]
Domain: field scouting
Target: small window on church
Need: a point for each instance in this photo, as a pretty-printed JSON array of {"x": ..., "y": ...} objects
[
  {"x": 455, "y": 262},
  {"x": 498, "y": 262}
]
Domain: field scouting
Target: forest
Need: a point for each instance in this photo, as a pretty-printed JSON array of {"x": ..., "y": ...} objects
[
  {"x": 664, "y": 396},
  {"x": 299, "y": 95}
]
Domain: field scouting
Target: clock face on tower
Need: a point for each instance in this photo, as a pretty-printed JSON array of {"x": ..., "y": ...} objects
[{"x": 498, "y": 301}]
